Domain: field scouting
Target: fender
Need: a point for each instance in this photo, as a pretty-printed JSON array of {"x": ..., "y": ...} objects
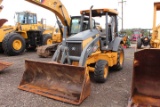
[{"x": 116, "y": 43}]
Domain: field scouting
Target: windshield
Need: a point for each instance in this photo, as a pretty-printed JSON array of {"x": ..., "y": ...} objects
[
  {"x": 75, "y": 25},
  {"x": 21, "y": 18},
  {"x": 32, "y": 19}
]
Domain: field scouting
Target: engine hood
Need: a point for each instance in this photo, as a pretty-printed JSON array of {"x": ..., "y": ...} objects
[{"x": 83, "y": 35}]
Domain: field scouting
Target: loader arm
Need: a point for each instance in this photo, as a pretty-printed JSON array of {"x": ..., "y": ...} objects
[{"x": 56, "y": 7}]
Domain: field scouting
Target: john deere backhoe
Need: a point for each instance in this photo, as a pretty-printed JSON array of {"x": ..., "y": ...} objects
[
  {"x": 66, "y": 77},
  {"x": 146, "y": 71},
  {"x": 3, "y": 64}
]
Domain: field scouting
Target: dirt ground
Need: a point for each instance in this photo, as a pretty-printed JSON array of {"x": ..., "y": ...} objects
[{"x": 114, "y": 92}]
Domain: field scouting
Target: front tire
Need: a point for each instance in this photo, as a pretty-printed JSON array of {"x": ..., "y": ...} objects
[
  {"x": 101, "y": 71},
  {"x": 47, "y": 39},
  {"x": 13, "y": 44}
]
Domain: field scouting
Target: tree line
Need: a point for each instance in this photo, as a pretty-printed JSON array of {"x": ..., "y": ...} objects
[{"x": 130, "y": 32}]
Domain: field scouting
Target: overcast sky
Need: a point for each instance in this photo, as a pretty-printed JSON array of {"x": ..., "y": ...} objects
[{"x": 137, "y": 13}]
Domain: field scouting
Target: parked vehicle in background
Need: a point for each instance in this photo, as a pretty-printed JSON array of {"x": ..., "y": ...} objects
[
  {"x": 144, "y": 40},
  {"x": 136, "y": 34},
  {"x": 125, "y": 39},
  {"x": 27, "y": 33}
]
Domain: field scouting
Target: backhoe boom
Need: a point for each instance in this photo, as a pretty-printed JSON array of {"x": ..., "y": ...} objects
[{"x": 56, "y": 7}]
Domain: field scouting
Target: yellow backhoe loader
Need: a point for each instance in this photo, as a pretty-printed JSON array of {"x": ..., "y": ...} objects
[
  {"x": 3, "y": 64},
  {"x": 66, "y": 77},
  {"x": 146, "y": 72}
]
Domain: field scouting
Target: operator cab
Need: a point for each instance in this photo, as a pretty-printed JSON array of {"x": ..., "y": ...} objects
[
  {"x": 109, "y": 17},
  {"x": 26, "y": 18}
]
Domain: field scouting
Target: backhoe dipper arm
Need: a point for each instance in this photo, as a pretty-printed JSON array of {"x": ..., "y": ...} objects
[{"x": 56, "y": 7}]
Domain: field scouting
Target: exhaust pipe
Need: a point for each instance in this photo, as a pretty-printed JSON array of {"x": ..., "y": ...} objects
[{"x": 90, "y": 17}]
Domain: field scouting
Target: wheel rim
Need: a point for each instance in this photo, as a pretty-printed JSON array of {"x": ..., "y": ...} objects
[
  {"x": 49, "y": 41},
  {"x": 105, "y": 72},
  {"x": 17, "y": 44}
]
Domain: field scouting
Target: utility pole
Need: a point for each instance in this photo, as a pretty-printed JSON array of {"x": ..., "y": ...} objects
[{"x": 122, "y": 12}]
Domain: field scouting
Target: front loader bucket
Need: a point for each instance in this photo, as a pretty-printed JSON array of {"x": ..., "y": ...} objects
[
  {"x": 62, "y": 82},
  {"x": 4, "y": 65},
  {"x": 146, "y": 79}
]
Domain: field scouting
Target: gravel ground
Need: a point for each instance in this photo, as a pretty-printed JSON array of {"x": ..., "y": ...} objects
[{"x": 113, "y": 93}]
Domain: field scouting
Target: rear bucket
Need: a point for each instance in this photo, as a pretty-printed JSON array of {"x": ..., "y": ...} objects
[
  {"x": 146, "y": 79},
  {"x": 47, "y": 50},
  {"x": 62, "y": 82},
  {"x": 4, "y": 65}
]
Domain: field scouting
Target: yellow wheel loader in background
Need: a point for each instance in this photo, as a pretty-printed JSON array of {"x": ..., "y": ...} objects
[
  {"x": 3, "y": 64},
  {"x": 28, "y": 34},
  {"x": 66, "y": 77},
  {"x": 145, "y": 90}
]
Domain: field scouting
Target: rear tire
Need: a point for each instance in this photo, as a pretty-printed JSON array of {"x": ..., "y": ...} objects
[
  {"x": 47, "y": 39},
  {"x": 120, "y": 60},
  {"x": 139, "y": 43},
  {"x": 101, "y": 71},
  {"x": 13, "y": 44}
]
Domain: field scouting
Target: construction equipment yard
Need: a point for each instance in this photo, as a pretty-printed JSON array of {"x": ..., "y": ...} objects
[
  {"x": 79, "y": 63},
  {"x": 115, "y": 92}
]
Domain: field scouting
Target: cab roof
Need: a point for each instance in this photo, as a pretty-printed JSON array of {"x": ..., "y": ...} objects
[
  {"x": 99, "y": 12},
  {"x": 157, "y": 4},
  {"x": 26, "y": 12}
]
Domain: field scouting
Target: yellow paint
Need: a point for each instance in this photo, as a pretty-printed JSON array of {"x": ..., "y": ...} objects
[{"x": 155, "y": 39}]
